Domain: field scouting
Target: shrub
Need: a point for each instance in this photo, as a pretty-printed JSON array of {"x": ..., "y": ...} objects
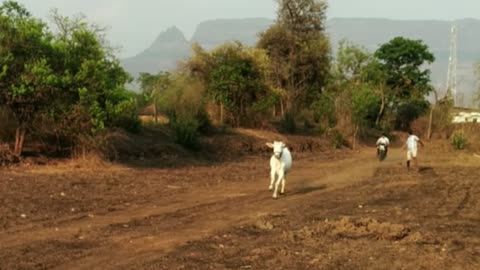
[
  {"x": 204, "y": 123},
  {"x": 459, "y": 141},
  {"x": 337, "y": 139},
  {"x": 288, "y": 123},
  {"x": 184, "y": 103},
  {"x": 124, "y": 115},
  {"x": 323, "y": 111},
  {"x": 186, "y": 131}
]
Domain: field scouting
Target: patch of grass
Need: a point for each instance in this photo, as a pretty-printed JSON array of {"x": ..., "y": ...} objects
[{"x": 459, "y": 141}]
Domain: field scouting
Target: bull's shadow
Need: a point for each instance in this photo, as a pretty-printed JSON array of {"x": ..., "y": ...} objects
[
  {"x": 306, "y": 187},
  {"x": 306, "y": 190}
]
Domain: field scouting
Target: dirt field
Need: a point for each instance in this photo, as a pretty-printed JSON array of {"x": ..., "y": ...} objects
[{"x": 340, "y": 212}]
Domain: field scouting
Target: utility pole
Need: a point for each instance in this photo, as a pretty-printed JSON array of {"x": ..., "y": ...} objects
[{"x": 452, "y": 66}]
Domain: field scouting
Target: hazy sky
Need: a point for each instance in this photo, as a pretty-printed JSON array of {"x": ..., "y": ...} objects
[{"x": 134, "y": 24}]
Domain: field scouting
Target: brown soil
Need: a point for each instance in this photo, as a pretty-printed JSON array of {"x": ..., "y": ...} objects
[{"x": 340, "y": 212}]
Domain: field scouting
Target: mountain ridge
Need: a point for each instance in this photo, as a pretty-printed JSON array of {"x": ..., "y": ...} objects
[{"x": 171, "y": 46}]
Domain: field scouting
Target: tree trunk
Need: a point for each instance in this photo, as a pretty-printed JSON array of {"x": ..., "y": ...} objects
[
  {"x": 382, "y": 109},
  {"x": 430, "y": 119},
  {"x": 282, "y": 108},
  {"x": 222, "y": 114},
  {"x": 241, "y": 114},
  {"x": 22, "y": 140},
  {"x": 19, "y": 141},
  {"x": 355, "y": 133},
  {"x": 155, "y": 110}
]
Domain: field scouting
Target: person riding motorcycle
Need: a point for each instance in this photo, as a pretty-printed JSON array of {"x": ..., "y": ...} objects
[{"x": 383, "y": 140}]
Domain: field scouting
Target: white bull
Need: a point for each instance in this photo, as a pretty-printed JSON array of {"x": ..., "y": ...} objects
[{"x": 280, "y": 164}]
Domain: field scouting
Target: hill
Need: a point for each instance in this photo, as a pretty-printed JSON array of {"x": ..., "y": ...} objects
[
  {"x": 172, "y": 46},
  {"x": 163, "y": 54},
  {"x": 212, "y": 33}
]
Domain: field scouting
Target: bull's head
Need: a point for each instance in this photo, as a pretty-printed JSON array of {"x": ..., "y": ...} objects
[{"x": 277, "y": 148}]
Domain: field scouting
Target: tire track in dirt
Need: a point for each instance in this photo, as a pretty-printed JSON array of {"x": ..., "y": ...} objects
[
  {"x": 186, "y": 224},
  {"x": 167, "y": 223},
  {"x": 407, "y": 200}
]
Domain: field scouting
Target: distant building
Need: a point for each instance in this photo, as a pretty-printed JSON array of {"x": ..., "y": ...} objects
[
  {"x": 466, "y": 116},
  {"x": 147, "y": 115}
]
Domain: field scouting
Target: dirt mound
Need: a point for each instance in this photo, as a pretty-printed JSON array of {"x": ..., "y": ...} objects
[
  {"x": 422, "y": 238},
  {"x": 364, "y": 228},
  {"x": 252, "y": 142},
  {"x": 158, "y": 143}
]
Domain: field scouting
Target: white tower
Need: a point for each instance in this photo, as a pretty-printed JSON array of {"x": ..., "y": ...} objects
[{"x": 452, "y": 67}]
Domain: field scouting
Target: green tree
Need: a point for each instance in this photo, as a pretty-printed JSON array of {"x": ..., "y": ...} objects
[
  {"x": 152, "y": 86},
  {"x": 351, "y": 62},
  {"x": 183, "y": 101},
  {"x": 358, "y": 83},
  {"x": 238, "y": 81},
  {"x": 235, "y": 77},
  {"x": 91, "y": 76},
  {"x": 26, "y": 78},
  {"x": 299, "y": 52},
  {"x": 374, "y": 74},
  {"x": 69, "y": 81},
  {"x": 323, "y": 110},
  {"x": 403, "y": 60},
  {"x": 365, "y": 106}
]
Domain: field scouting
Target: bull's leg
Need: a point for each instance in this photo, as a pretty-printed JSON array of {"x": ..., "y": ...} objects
[
  {"x": 280, "y": 177},
  {"x": 272, "y": 179},
  {"x": 284, "y": 179}
]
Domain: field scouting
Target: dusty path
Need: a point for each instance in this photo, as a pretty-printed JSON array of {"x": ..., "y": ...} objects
[
  {"x": 156, "y": 227},
  {"x": 199, "y": 214},
  {"x": 393, "y": 220},
  {"x": 171, "y": 216}
]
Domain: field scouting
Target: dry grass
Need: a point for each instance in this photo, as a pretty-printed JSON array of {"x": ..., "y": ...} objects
[
  {"x": 262, "y": 134},
  {"x": 472, "y": 133},
  {"x": 150, "y": 119},
  {"x": 90, "y": 165}
]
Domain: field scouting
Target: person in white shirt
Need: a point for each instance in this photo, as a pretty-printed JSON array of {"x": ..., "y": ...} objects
[
  {"x": 412, "y": 147},
  {"x": 383, "y": 140}
]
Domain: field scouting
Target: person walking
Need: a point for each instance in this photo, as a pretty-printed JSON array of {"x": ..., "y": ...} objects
[{"x": 412, "y": 149}]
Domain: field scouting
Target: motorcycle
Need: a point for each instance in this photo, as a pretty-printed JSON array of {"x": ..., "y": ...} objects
[{"x": 382, "y": 152}]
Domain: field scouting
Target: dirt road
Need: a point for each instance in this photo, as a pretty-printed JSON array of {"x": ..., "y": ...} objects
[{"x": 352, "y": 213}]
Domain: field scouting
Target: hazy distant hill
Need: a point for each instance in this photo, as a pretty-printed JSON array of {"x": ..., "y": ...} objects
[
  {"x": 171, "y": 45},
  {"x": 211, "y": 33},
  {"x": 163, "y": 54}
]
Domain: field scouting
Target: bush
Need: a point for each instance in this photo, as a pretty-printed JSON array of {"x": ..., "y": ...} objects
[
  {"x": 337, "y": 139},
  {"x": 236, "y": 77},
  {"x": 409, "y": 111},
  {"x": 184, "y": 104},
  {"x": 459, "y": 141},
  {"x": 186, "y": 131},
  {"x": 124, "y": 115},
  {"x": 323, "y": 111},
  {"x": 204, "y": 123},
  {"x": 288, "y": 123},
  {"x": 308, "y": 119}
]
